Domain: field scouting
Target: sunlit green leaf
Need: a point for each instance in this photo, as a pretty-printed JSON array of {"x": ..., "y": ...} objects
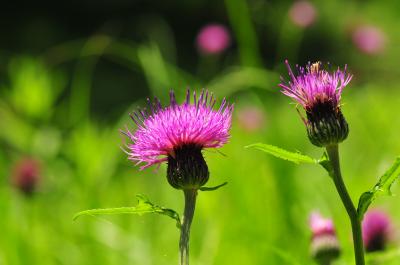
[
  {"x": 381, "y": 188},
  {"x": 294, "y": 157},
  {"x": 144, "y": 206}
]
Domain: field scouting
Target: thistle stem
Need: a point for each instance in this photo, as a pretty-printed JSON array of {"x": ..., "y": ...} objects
[
  {"x": 333, "y": 153},
  {"x": 190, "y": 204}
]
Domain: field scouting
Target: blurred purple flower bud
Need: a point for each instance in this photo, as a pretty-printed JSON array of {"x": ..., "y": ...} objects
[
  {"x": 369, "y": 39},
  {"x": 26, "y": 175},
  {"x": 320, "y": 225},
  {"x": 213, "y": 39},
  {"x": 324, "y": 244},
  {"x": 377, "y": 228},
  {"x": 303, "y": 13},
  {"x": 251, "y": 119}
]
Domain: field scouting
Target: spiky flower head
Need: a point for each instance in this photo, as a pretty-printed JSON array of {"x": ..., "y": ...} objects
[
  {"x": 177, "y": 134},
  {"x": 319, "y": 93},
  {"x": 324, "y": 243},
  {"x": 376, "y": 230}
]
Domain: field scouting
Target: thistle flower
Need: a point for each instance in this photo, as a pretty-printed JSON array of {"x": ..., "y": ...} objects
[
  {"x": 26, "y": 175},
  {"x": 324, "y": 244},
  {"x": 376, "y": 231},
  {"x": 319, "y": 93},
  {"x": 369, "y": 39},
  {"x": 177, "y": 134},
  {"x": 303, "y": 13},
  {"x": 213, "y": 39}
]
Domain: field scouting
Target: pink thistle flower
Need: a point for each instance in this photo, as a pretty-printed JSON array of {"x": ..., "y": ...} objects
[
  {"x": 177, "y": 134},
  {"x": 369, "y": 39},
  {"x": 319, "y": 93},
  {"x": 303, "y": 13},
  {"x": 251, "y": 119},
  {"x": 213, "y": 39},
  {"x": 313, "y": 85},
  {"x": 320, "y": 225},
  {"x": 324, "y": 243},
  {"x": 376, "y": 230},
  {"x": 26, "y": 175}
]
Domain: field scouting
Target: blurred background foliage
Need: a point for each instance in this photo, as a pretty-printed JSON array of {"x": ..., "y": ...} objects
[{"x": 71, "y": 72}]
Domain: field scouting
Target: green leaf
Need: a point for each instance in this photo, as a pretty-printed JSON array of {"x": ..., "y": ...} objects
[
  {"x": 294, "y": 157},
  {"x": 213, "y": 188},
  {"x": 325, "y": 163},
  {"x": 381, "y": 188},
  {"x": 144, "y": 206}
]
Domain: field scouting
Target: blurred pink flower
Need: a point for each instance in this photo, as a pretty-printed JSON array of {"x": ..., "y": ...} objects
[
  {"x": 377, "y": 228},
  {"x": 320, "y": 226},
  {"x": 303, "y": 13},
  {"x": 26, "y": 175},
  {"x": 369, "y": 39},
  {"x": 324, "y": 243},
  {"x": 251, "y": 119},
  {"x": 213, "y": 39}
]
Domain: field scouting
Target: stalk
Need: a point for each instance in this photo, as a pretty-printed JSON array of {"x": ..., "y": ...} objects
[
  {"x": 333, "y": 153},
  {"x": 190, "y": 204}
]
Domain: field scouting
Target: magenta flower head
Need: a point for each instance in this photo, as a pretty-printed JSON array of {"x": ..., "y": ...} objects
[
  {"x": 177, "y": 134},
  {"x": 324, "y": 244},
  {"x": 376, "y": 230},
  {"x": 26, "y": 175},
  {"x": 213, "y": 39},
  {"x": 319, "y": 93}
]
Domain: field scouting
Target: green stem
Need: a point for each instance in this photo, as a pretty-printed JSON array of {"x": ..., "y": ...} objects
[
  {"x": 190, "y": 204},
  {"x": 333, "y": 153}
]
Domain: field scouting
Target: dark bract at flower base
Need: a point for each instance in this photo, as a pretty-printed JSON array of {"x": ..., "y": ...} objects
[
  {"x": 187, "y": 169},
  {"x": 178, "y": 134},
  {"x": 319, "y": 93}
]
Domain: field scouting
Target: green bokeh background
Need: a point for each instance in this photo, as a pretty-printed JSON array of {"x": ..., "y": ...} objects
[{"x": 67, "y": 86}]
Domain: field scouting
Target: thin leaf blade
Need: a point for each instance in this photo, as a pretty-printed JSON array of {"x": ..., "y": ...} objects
[
  {"x": 278, "y": 152},
  {"x": 213, "y": 188},
  {"x": 144, "y": 206},
  {"x": 381, "y": 188}
]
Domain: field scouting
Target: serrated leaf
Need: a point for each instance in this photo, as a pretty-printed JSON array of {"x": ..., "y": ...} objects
[
  {"x": 144, "y": 206},
  {"x": 278, "y": 152},
  {"x": 381, "y": 188},
  {"x": 213, "y": 188}
]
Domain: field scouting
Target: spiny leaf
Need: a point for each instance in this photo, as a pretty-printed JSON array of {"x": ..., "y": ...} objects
[
  {"x": 213, "y": 188},
  {"x": 294, "y": 157},
  {"x": 381, "y": 188},
  {"x": 144, "y": 206}
]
